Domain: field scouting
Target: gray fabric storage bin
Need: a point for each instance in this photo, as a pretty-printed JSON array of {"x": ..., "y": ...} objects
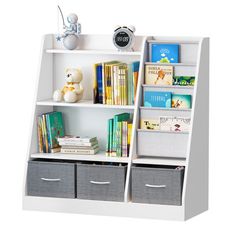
[
  {"x": 101, "y": 182},
  {"x": 51, "y": 179},
  {"x": 158, "y": 185}
]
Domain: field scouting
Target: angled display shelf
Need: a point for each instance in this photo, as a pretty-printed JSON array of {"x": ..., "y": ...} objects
[{"x": 147, "y": 148}]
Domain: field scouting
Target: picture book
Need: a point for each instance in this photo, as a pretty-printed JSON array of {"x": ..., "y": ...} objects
[
  {"x": 164, "y": 53},
  {"x": 181, "y": 101},
  {"x": 55, "y": 128},
  {"x": 124, "y": 140},
  {"x": 135, "y": 70},
  {"x": 150, "y": 124},
  {"x": 78, "y": 139},
  {"x": 175, "y": 124},
  {"x": 157, "y": 99},
  {"x": 184, "y": 80},
  {"x": 158, "y": 75},
  {"x": 79, "y": 151}
]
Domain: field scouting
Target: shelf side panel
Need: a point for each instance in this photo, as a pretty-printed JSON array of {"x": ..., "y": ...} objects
[{"x": 195, "y": 192}]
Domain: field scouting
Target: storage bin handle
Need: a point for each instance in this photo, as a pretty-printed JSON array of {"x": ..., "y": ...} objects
[
  {"x": 98, "y": 182},
  {"x": 50, "y": 180},
  {"x": 155, "y": 186}
]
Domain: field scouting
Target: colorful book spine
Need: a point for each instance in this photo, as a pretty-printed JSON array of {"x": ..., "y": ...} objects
[
  {"x": 124, "y": 139},
  {"x": 99, "y": 83},
  {"x": 108, "y": 139},
  {"x": 129, "y": 135},
  {"x": 135, "y": 78},
  {"x": 119, "y": 139},
  {"x": 40, "y": 135}
]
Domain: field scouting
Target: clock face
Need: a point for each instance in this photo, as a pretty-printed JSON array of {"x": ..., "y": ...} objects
[{"x": 122, "y": 39}]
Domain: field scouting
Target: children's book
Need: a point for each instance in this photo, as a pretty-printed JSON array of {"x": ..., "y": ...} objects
[
  {"x": 55, "y": 128},
  {"x": 184, "y": 80},
  {"x": 79, "y": 151},
  {"x": 164, "y": 53},
  {"x": 158, "y": 75},
  {"x": 181, "y": 101},
  {"x": 157, "y": 99},
  {"x": 135, "y": 69},
  {"x": 150, "y": 124},
  {"x": 175, "y": 124},
  {"x": 77, "y": 139}
]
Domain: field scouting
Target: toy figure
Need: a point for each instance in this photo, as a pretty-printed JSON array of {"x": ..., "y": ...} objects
[
  {"x": 71, "y": 34},
  {"x": 72, "y": 90}
]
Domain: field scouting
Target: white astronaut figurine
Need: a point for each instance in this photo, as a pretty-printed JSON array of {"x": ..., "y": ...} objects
[{"x": 71, "y": 35}]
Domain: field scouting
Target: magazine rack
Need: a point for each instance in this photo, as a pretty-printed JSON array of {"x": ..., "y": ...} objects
[{"x": 147, "y": 147}]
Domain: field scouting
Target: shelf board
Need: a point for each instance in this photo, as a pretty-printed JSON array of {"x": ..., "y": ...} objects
[
  {"x": 165, "y": 109},
  {"x": 95, "y": 52},
  {"x": 162, "y": 131},
  {"x": 160, "y": 161},
  {"x": 167, "y": 86},
  {"x": 171, "y": 64},
  {"x": 100, "y": 156},
  {"x": 83, "y": 103}
]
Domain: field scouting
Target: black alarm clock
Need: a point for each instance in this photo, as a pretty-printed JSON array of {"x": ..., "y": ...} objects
[{"x": 123, "y": 38}]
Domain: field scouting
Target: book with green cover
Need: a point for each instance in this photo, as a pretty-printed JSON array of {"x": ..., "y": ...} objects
[{"x": 55, "y": 127}]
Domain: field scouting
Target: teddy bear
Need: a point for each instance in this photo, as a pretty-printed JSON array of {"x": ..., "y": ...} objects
[{"x": 72, "y": 90}]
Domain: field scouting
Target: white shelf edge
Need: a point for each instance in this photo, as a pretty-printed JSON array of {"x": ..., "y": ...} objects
[
  {"x": 83, "y": 103},
  {"x": 168, "y": 86},
  {"x": 161, "y": 131},
  {"x": 160, "y": 161},
  {"x": 187, "y": 41},
  {"x": 165, "y": 109},
  {"x": 171, "y": 64},
  {"x": 90, "y": 52},
  {"x": 100, "y": 157}
]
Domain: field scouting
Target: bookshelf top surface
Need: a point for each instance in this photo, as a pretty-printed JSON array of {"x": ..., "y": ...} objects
[{"x": 100, "y": 157}]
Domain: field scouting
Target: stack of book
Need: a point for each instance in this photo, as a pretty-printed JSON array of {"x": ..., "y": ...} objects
[
  {"x": 115, "y": 83},
  {"x": 79, "y": 145},
  {"x": 50, "y": 127},
  {"x": 119, "y": 135}
]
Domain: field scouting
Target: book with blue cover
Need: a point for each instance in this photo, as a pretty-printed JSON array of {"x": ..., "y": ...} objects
[
  {"x": 157, "y": 99},
  {"x": 99, "y": 83},
  {"x": 164, "y": 53}
]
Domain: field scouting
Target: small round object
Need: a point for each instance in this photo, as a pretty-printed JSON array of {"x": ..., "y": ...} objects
[
  {"x": 123, "y": 38},
  {"x": 70, "y": 42}
]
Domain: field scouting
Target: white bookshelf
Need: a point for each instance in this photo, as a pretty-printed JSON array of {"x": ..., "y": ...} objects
[{"x": 189, "y": 149}]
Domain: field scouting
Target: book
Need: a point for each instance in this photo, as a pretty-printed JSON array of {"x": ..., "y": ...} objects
[
  {"x": 135, "y": 69},
  {"x": 164, "y": 53},
  {"x": 119, "y": 139},
  {"x": 181, "y": 101},
  {"x": 129, "y": 135},
  {"x": 55, "y": 128},
  {"x": 109, "y": 137},
  {"x": 80, "y": 147},
  {"x": 158, "y": 75},
  {"x": 99, "y": 83},
  {"x": 40, "y": 134},
  {"x": 124, "y": 152},
  {"x": 117, "y": 118},
  {"x": 150, "y": 124},
  {"x": 79, "y": 151},
  {"x": 157, "y": 99},
  {"x": 77, "y": 139},
  {"x": 184, "y": 80},
  {"x": 176, "y": 124}
]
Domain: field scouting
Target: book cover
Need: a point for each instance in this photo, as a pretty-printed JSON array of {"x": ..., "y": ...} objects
[
  {"x": 95, "y": 85},
  {"x": 77, "y": 139},
  {"x": 184, "y": 80},
  {"x": 150, "y": 124},
  {"x": 108, "y": 139},
  {"x": 99, "y": 83},
  {"x": 79, "y": 151},
  {"x": 175, "y": 124},
  {"x": 135, "y": 66},
  {"x": 181, "y": 101},
  {"x": 117, "y": 118},
  {"x": 80, "y": 147},
  {"x": 78, "y": 144},
  {"x": 55, "y": 128},
  {"x": 130, "y": 125},
  {"x": 164, "y": 53},
  {"x": 158, "y": 75},
  {"x": 40, "y": 134},
  {"x": 157, "y": 99},
  {"x": 119, "y": 139}
]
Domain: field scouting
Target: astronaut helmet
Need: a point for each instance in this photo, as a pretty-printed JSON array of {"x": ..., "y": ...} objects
[{"x": 72, "y": 18}]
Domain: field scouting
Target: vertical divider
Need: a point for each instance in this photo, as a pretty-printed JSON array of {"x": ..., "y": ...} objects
[{"x": 133, "y": 144}]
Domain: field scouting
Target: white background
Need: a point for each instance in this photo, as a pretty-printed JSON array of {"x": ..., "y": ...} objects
[{"x": 22, "y": 25}]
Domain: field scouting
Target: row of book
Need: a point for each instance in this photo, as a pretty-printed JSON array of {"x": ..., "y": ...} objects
[
  {"x": 166, "y": 123},
  {"x": 119, "y": 135},
  {"x": 50, "y": 127},
  {"x": 78, "y": 145},
  {"x": 167, "y": 100},
  {"x": 115, "y": 82},
  {"x": 163, "y": 75}
]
